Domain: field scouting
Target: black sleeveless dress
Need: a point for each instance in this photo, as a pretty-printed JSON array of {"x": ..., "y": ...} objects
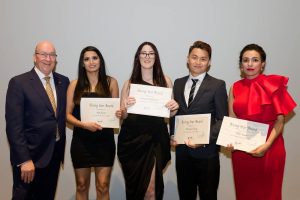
[
  {"x": 92, "y": 149},
  {"x": 143, "y": 141}
]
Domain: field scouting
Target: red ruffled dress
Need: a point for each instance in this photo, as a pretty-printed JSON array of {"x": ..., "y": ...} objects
[{"x": 261, "y": 99}]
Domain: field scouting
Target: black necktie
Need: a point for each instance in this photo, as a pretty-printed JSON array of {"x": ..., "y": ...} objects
[{"x": 191, "y": 96}]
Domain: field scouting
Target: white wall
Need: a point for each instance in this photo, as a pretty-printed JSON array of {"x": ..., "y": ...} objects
[{"x": 118, "y": 27}]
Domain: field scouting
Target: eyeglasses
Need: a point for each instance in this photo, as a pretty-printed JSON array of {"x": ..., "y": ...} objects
[
  {"x": 45, "y": 55},
  {"x": 150, "y": 55}
]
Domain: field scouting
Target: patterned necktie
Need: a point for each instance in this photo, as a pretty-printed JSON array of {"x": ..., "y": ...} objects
[
  {"x": 50, "y": 93},
  {"x": 52, "y": 100},
  {"x": 191, "y": 96}
]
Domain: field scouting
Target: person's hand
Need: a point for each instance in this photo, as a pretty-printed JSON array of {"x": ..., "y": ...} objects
[
  {"x": 173, "y": 142},
  {"x": 91, "y": 126},
  {"x": 119, "y": 113},
  {"x": 230, "y": 147},
  {"x": 191, "y": 145},
  {"x": 172, "y": 105},
  {"x": 27, "y": 171},
  {"x": 260, "y": 151},
  {"x": 129, "y": 101}
]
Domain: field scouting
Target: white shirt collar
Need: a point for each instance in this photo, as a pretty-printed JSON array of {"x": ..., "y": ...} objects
[
  {"x": 200, "y": 77},
  {"x": 41, "y": 75}
]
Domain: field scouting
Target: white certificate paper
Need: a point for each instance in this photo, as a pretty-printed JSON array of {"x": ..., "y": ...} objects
[
  {"x": 193, "y": 128},
  {"x": 150, "y": 100},
  {"x": 101, "y": 111},
  {"x": 244, "y": 135}
]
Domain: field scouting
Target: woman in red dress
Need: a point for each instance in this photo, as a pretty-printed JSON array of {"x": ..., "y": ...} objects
[{"x": 258, "y": 174}]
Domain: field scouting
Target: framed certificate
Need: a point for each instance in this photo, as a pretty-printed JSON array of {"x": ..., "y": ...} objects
[
  {"x": 101, "y": 111},
  {"x": 193, "y": 128},
  {"x": 150, "y": 100},
  {"x": 244, "y": 135}
]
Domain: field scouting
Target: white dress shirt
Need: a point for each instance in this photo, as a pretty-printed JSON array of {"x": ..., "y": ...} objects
[{"x": 189, "y": 84}]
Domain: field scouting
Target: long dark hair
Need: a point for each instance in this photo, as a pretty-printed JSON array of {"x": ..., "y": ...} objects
[
  {"x": 83, "y": 84},
  {"x": 158, "y": 75}
]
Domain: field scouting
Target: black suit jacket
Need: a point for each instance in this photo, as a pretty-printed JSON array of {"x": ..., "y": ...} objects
[
  {"x": 31, "y": 123},
  {"x": 210, "y": 98}
]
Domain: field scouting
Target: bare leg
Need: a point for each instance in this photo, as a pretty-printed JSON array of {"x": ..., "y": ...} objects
[
  {"x": 150, "y": 193},
  {"x": 102, "y": 182},
  {"x": 83, "y": 176}
]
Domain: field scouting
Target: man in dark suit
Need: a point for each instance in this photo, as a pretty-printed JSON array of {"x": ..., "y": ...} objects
[
  {"x": 35, "y": 115},
  {"x": 198, "y": 165}
]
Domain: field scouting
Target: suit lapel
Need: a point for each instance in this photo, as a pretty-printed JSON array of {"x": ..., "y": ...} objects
[
  {"x": 37, "y": 85},
  {"x": 182, "y": 88},
  {"x": 59, "y": 92}
]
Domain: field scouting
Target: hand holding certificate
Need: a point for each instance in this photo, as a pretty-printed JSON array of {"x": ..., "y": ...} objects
[
  {"x": 150, "y": 100},
  {"x": 192, "y": 128},
  {"x": 101, "y": 111},
  {"x": 244, "y": 135}
]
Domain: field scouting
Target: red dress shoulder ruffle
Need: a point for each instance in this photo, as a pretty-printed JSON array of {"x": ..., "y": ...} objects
[{"x": 267, "y": 90}]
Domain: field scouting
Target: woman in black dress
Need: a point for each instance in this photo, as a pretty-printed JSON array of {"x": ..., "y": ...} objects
[
  {"x": 92, "y": 145},
  {"x": 143, "y": 142}
]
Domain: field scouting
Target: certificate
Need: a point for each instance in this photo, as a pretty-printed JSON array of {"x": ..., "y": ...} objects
[
  {"x": 101, "y": 111},
  {"x": 150, "y": 100},
  {"x": 244, "y": 135},
  {"x": 193, "y": 128}
]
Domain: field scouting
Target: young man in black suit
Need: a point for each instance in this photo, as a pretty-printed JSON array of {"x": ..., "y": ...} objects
[
  {"x": 35, "y": 116},
  {"x": 198, "y": 165}
]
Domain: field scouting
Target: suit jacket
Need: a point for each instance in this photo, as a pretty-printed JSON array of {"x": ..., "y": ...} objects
[
  {"x": 31, "y": 123},
  {"x": 210, "y": 98}
]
